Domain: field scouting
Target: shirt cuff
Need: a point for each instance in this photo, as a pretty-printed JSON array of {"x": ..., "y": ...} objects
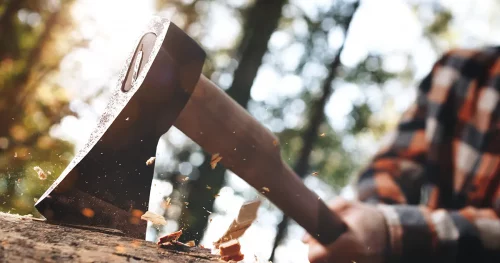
[{"x": 410, "y": 236}]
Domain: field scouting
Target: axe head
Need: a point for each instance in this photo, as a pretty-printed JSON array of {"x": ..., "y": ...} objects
[{"x": 108, "y": 183}]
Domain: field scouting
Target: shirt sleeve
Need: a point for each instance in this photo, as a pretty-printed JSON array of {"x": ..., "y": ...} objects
[
  {"x": 418, "y": 234},
  {"x": 395, "y": 174},
  {"x": 394, "y": 180}
]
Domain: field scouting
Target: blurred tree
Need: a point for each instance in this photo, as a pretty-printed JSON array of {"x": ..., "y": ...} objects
[
  {"x": 260, "y": 22},
  {"x": 317, "y": 117},
  {"x": 34, "y": 37}
]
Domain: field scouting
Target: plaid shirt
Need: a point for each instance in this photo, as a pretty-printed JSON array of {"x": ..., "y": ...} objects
[{"x": 437, "y": 179}]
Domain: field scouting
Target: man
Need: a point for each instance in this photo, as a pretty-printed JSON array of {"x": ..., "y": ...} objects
[{"x": 432, "y": 193}]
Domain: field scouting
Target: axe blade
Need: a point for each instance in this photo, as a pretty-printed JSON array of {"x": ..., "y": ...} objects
[{"x": 108, "y": 183}]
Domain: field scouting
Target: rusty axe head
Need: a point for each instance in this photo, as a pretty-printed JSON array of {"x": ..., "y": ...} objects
[{"x": 108, "y": 184}]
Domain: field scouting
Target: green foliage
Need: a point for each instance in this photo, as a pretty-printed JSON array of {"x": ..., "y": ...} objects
[{"x": 34, "y": 40}]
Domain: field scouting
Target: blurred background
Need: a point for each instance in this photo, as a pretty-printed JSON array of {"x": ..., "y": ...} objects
[{"x": 329, "y": 77}]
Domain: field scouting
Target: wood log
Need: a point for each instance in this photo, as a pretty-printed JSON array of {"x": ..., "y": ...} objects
[{"x": 27, "y": 239}]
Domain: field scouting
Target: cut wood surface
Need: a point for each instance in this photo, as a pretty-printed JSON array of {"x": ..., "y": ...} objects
[{"x": 25, "y": 239}]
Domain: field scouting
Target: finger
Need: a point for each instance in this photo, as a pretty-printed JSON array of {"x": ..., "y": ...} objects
[
  {"x": 317, "y": 253},
  {"x": 338, "y": 204},
  {"x": 306, "y": 238}
]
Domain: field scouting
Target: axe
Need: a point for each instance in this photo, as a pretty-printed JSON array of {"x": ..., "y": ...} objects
[{"x": 107, "y": 184}]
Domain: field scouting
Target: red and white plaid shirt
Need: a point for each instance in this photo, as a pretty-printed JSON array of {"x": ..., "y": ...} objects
[{"x": 437, "y": 181}]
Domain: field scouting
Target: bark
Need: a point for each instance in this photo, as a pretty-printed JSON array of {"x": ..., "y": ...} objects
[
  {"x": 24, "y": 239},
  {"x": 261, "y": 21},
  {"x": 311, "y": 132}
]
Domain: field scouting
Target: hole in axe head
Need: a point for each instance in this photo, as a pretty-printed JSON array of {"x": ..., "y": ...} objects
[{"x": 141, "y": 57}]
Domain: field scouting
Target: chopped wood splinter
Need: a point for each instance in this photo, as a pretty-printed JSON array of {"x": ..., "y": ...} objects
[
  {"x": 150, "y": 161},
  {"x": 315, "y": 173},
  {"x": 154, "y": 218},
  {"x": 265, "y": 189},
  {"x": 246, "y": 216},
  {"x": 191, "y": 243},
  {"x": 230, "y": 251},
  {"x": 215, "y": 159},
  {"x": 170, "y": 237},
  {"x": 166, "y": 203},
  {"x": 40, "y": 172}
]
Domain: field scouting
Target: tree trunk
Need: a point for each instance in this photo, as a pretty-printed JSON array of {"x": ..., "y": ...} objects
[
  {"x": 311, "y": 132},
  {"x": 25, "y": 239},
  {"x": 261, "y": 22}
]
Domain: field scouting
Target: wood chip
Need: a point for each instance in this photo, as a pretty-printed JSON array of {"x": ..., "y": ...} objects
[
  {"x": 230, "y": 248},
  {"x": 234, "y": 258},
  {"x": 154, "y": 218},
  {"x": 246, "y": 216},
  {"x": 265, "y": 189},
  {"x": 315, "y": 173},
  {"x": 150, "y": 161},
  {"x": 166, "y": 203},
  {"x": 323, "y": 135},
  {"x": 215, "y": 159},
  {"x": 40, "y": 172},
  {"x": 191, "y": 243},
  {"x": 209, "y": 187},
  {"x": 170, "y": 237}
]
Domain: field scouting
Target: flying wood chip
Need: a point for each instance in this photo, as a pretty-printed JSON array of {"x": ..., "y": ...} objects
[
  {"x": 246, "y": 216},
  {"x": 230, "y": 248},
  {"x": 234, "y": 258},
  {"x": 154, "y": 218},
  {"x": 215, "y": 159},
  {"x": 150, "y": 161},
  {"x": 231, "y": 251},
  {"x": 40, "y": 172},
  {"x": 170, "y": 237}
]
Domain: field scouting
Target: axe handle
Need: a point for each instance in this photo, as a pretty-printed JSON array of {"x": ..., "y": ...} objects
[{"x": 219, "y": 125}]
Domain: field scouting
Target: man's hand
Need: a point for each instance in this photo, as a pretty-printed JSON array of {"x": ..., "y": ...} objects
[{"x": 364, "y": 241}]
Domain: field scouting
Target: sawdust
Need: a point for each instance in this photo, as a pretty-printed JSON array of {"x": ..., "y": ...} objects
[{"x": 41, "y": 174}]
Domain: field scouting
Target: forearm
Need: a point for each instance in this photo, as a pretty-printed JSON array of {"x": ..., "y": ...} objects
[{"x": 418, "y": 234}]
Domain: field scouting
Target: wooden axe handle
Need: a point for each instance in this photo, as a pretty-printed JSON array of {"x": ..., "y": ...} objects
[{"x": 219, "y": 125}]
